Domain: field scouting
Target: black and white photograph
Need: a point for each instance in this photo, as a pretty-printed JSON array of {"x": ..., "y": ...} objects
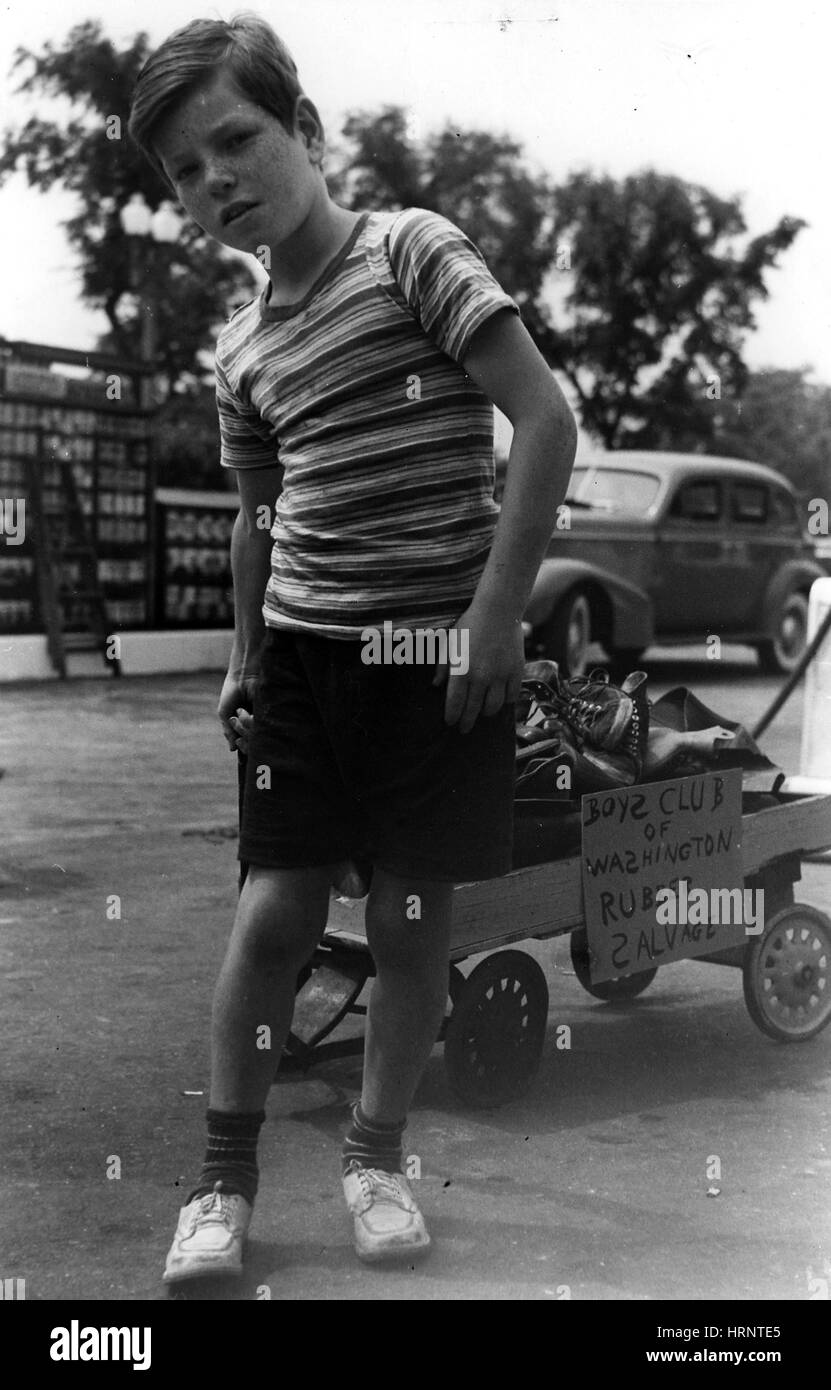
[{"x": 415, "y": 668}]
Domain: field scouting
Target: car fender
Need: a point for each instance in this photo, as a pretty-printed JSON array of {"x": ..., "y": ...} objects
[
  {"x": 632, "y": 618},
  {"x": 794, "y": 574}
]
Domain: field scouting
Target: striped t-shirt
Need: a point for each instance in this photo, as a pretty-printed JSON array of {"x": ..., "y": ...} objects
[{"x": 387, "y": 510}]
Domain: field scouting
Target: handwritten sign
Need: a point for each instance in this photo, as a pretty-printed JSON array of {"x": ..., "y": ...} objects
[{"x": 638, "y": 842}]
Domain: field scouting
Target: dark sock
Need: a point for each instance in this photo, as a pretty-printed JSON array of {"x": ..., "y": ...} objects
[
  {"x": 231, "y": 1155},
  {"x": 373, "y": 1143}
]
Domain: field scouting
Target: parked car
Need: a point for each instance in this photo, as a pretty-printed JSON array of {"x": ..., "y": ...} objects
[
  {"x": 822, "y": 553},
  {"x": 673, "y": 548}
]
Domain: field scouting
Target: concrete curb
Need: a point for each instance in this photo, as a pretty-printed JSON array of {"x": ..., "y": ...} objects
[{"x": 26, "y": 658}]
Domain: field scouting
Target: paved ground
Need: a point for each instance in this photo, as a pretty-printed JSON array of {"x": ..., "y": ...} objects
[{"x": 594, "y": 1186}]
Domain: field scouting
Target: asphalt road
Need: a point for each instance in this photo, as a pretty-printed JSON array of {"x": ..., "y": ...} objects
[{"x": 597, "y": 1185}]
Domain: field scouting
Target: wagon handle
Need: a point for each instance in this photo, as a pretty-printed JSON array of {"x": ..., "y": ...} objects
[{"x": 794, "y": 678}]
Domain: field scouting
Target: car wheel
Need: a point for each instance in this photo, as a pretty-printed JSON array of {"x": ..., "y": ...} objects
[
  {"x": 778, "y": 655},
  {"x": 567, "y": 634}
]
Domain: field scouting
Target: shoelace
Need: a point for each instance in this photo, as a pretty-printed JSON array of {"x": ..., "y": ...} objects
[
  {"x": 374, "y": 1181},
  {"x": 585, "y": 712},
  {"x": 542, "y": 700},
  {"x": 579, "y": 711},
  {"x": 214, "y": 1208},
  {"x": 582, "y": 711}
]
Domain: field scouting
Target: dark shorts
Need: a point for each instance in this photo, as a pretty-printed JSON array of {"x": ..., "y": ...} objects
[{"x": 362, "y": 765}]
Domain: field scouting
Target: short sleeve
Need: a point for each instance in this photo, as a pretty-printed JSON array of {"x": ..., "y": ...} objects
[
  {"x": 444, "y": 279},
  {"x": 246, "y": 439}
]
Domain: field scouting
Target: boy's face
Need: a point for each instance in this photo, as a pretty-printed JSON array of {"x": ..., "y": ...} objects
[{"x": 236, "y": 170}]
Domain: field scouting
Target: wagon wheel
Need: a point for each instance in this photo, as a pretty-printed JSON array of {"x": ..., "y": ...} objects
[
  {"x": 787, "y": 974},
  {"x": 304, "y": 975},
  {"x": 612, "y": 991},
  {"x": 455, "y": 984},
  {"x": 496, "y": 1032}
]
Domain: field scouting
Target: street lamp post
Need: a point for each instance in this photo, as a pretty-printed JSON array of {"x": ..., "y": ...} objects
[{"x": 145, "y": 231}]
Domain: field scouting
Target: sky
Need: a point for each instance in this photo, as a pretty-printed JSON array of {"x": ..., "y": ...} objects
[{"x": 728, "y": 93}]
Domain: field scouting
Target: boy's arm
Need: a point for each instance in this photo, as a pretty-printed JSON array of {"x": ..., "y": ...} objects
[
  {"x": 251, "y": 546},
  {"x": 503, "y": 360}
]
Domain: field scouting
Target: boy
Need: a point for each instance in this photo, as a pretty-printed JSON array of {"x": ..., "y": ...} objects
[{"x": 355, "y": 393}]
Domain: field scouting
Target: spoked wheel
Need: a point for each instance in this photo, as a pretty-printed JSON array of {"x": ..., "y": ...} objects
[
  {"x": 618, "y": 990},
  {"x": 496, "y": 1032},
  {"x": 455, "y": 984},
  {"x": 787, "y": 974}
]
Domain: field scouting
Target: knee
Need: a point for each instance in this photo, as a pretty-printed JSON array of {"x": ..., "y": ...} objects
[
  {"x": 276, "y": 929},
  {"x": 393, "y": 946},
  {"x": 402, "y": 935}
]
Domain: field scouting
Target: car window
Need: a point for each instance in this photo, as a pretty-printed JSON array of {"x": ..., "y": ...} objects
[
  {"x": 698, "y": 501},
  {"x": 614, "y": 489},
  {"x": 749, "y": 504},
  {"x": 783, "y": 510}
]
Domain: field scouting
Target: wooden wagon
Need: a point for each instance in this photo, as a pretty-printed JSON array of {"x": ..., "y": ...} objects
[{"x": 494, "y": 1030}]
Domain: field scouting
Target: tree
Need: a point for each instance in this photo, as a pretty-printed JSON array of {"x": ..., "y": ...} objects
[
  {"x": 640, "y": 291},
  {"x": 783, "y": 420},
  {"x": 186, "y": 442},
  {"x": 187, "y": 286},
  {"x": 475, "y": 178},
  {"x": 658, "y": 301}
]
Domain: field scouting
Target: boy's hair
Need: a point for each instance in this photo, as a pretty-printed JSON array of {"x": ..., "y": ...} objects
[{"x": 255, "y": 57}]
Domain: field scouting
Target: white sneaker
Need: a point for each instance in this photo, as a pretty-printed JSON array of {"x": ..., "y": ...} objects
[
  {"x": 209, "y": 1237},
  {"x": 388, "y": 1223}
]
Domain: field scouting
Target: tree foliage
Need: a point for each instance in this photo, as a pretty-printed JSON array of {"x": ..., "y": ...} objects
[
  {"x": 640, "y": 291},
  {"x": 186, "y": 442},
  {"x": 784, "y": 420},
  {"x": 86, "y": 151},
  {"x": 659, "y": 297},
  {"x": 475, "y": 178}
]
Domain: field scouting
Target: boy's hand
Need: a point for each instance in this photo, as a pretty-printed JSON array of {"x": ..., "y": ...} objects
[
  {"x": 496, "y": 659},
  {"x": 242, "y": 723},
  {"x": 234, "y": 710}
]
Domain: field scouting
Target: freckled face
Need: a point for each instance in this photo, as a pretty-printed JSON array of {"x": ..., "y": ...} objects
[{"x": 235, "y": 169}]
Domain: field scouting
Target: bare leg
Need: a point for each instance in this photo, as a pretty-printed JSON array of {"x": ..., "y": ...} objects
[
  {"x": 409, "y": 994},
  {"x": 281, "y": 916}
]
